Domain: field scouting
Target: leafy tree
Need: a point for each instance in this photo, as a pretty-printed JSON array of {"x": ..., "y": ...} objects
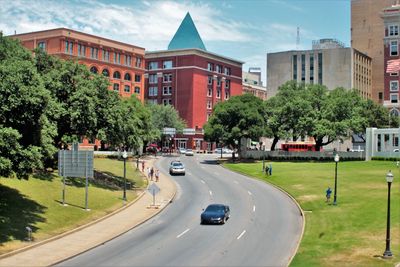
[{"x": 240, "y": 117}]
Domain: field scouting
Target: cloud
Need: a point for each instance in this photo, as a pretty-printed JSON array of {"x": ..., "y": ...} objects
[{"x": 150, "y": 24}]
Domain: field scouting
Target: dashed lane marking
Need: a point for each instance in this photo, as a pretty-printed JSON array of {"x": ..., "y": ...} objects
[{"x": 181, "y": 234}]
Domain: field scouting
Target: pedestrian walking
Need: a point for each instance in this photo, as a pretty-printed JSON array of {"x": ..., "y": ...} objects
[
  {"x": 266, "y": 170},
  {"x": 148, "y": 172},
  {"x": 151, "y": 173},
  {"x": 328, "y": 194},
  {"x": 142, "y": 165},
  {"x": 270, "y": 169},
  {"x": 157, "y": 175}
]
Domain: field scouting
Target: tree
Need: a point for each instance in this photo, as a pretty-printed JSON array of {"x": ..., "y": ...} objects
[{"x": 240, "y": 117}]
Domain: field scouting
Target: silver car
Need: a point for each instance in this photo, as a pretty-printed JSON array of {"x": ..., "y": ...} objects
[{"x": 176, "y": 167}]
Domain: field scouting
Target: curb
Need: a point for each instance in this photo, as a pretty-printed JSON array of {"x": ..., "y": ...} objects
[{"x": 293, "y": 199}]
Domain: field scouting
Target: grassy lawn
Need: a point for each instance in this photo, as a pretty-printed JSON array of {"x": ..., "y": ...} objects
[
  {"x": 36, "y": 203},
  {"x": 353, "y": 233}
]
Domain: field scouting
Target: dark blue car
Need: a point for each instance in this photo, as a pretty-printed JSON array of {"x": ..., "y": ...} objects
[{"x": 215, "y": 213}]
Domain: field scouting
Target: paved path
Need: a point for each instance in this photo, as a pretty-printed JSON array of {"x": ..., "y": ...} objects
[{"x": 67, "y": 245}]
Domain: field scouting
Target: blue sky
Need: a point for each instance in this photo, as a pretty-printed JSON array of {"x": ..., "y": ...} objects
[{"x": 245, "y": 30}]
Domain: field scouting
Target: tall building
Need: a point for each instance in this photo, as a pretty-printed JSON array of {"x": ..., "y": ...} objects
[
  {"x": 329, "y": 63},
  {"x": 391, "y": 21},
  {"x": 191, "y": 79},
  {"x": 367, "y": 36},
  {"x": 121, "y": 63}
]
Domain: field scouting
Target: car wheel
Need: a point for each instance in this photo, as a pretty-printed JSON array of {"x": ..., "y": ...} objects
[{"x": 223, "y": 221}]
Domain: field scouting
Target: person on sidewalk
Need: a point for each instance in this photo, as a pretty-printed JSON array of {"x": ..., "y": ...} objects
[
  {"x": 142, "y": 165},
  {"x": 148, "y": 172},
  {"x": 151, "y": 173},
  {"x": 157, "y": 175}
]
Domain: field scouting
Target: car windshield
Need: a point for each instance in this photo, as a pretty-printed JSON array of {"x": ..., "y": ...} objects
[
  {"x": 177, "y": 164},
  {"x": 215, "y": 208}
]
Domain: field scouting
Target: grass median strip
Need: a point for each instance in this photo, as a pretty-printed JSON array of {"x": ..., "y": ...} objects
[
  {"x": 36, "y": 203},
  {"x": 353, "y": 232}
]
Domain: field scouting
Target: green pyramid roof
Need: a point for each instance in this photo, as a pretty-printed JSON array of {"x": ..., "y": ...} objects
[{"x": 186, "y": 36}]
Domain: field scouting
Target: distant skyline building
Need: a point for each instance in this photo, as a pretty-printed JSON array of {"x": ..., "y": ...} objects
[
  {"x": 367, "y": 33},
  {"x": 252, "y": 83},
  {"x": 391, "y": 23},
  {"x": 330, "y": 64},
  {"x": 191, "y": 79},
  {"x": 121, "y": 63}
]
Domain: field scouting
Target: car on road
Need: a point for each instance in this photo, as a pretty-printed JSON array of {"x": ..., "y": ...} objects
[
  {"x": 215, "y": 214},
  {"x": 182, "y": 150},
  {"x": 176, "y": 167},
  {"x": 189, "y": 152},
  {"x": 224, "y": 151}
]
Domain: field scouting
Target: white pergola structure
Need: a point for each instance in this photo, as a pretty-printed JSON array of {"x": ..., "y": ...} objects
[{"x": 382, "y": 143}]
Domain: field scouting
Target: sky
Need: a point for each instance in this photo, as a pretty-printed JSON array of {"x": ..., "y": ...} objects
[{"x": 245, "y": 30}]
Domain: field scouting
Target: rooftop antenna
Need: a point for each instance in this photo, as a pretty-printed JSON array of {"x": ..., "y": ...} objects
[{"x": 298, "y": 38}]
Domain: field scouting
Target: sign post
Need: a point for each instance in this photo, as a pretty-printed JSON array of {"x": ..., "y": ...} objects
[{"x": 153, "y": 189}]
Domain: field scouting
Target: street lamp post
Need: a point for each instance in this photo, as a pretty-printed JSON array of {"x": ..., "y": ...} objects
[
  {"x": 388, "y": 253},
  {"x": 336, "y": 163},
  {"x": 124, "y": 155}
]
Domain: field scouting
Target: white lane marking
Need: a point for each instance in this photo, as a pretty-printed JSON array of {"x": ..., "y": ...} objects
[
  {"x": 202, "y": 181},
  {"x": 184, "y": 232},
  {"x": 249, "y": 193},
  {"x": 210, "y": 192},
  {"x": 244, "y": 231},
  {"x": 254, "y": 208},
  {"x": 202, "y": 167},
  {"x": 236, "y": 182}
]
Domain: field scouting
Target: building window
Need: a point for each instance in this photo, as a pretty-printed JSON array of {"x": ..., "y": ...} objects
[
  {"x": 394, "y": 86},
  {"x": 42, "y": 46},
  {"x": 137, "y": 78},
  {"x": 167, "y": 77},
  {"x": 137, "y": 90},
  {"x": 167, "y": 64},
  {"x": 395, "y": 113},
  {"x": 394, "y": 98},
  {"x": 153, "y": 91},
  {"x": 209, "y": 92},
  {"x": 128, "y": 60},
  {"x": 320, "y": 68},
  {"x": 106, "y": 73},
  {"x": 153, "y": 78},
  {"x": 153, "y": 65},
  {"x": 69, "y": 47},
  {"x": 127, "y": 88},
  {"x": 94, "y": 53},
  {"x": 295, "y": 67},
  {"x": 210, "y": 80},
  {"x": 210, "y": 66},
  {"x": 227, "y": 71},
  {"x": 81, "y": 50},
  {"x": 106, "y": 55},
  {"x": 227, "y": 84},
  {"x": 138, "y": 62},
  {"x": 117, "y": 75},
  {"x": 116, "y": 87},
  {"x": 394, "y": 74},
  {"x": 227, "y": 94},
  {"x": 380, "y": 96},
  {"x": 209, "y": 104},
  {"x": 208, "y": 116},
  {"x": 117, "y": 58},
  {"x": 311, "y": 68},
  {"x": 127, "y": 77},
  {"x": 218, "y": 82},
  {"x": 393, "y": 30},
  {"x": 218, "y": 68},
  {"x": 94, "y": 70},
  {"x": 167, "y": 102},
  {"x": 393, "y": 48},
  {"x": 167, "y": 90},
  {"x": 303, "y": 68},
  {"x": 218, "y": 93}
]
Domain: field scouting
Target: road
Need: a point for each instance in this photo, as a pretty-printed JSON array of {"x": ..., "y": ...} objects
[{"x": 264, "y": 228}]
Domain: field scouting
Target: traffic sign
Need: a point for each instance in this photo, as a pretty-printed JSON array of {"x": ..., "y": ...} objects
[{"x": 153, "y": 189}]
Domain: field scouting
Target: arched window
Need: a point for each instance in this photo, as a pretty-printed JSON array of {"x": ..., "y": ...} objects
[
  {"x": 127, "y": 77},
  {"x": 117, "y": 75},
  {"x": 106, "y": 73},
  {"x": 137, "y": 90},
  {"x": 394, "y": 112},
  {"x": 94, "y": 69}
]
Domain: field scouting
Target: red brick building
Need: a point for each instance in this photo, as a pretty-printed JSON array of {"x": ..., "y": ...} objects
[
  {"x": 191, "y": 79},
  {"x": 122, "y": 63},
  {"x": 391, "y": 18}
]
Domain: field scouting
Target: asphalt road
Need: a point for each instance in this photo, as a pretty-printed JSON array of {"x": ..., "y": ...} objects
[{"x": 264, "y": 228}]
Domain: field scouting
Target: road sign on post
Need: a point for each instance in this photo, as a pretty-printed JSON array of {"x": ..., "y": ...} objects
[
  {"x": 75, "y": 164},
  {"x": 153, "y": 189}
]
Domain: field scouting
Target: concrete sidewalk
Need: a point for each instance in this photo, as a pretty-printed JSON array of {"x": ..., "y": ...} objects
[{"x": 67, "y": 245}]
